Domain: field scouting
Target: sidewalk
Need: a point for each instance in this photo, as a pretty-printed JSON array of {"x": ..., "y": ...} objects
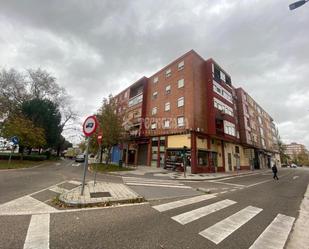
[
  {"x": 101, "y": 194},
  {"x": 160, "y": 172}
]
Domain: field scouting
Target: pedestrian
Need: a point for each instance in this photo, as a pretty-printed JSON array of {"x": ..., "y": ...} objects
[{"x": 275, "y": 171}]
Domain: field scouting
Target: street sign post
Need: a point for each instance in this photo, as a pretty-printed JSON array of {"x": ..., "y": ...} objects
[
  {"x": 89, "y": 127},
  {"x": 15, "y": 141},
  {"x": 99, "y": 138}
]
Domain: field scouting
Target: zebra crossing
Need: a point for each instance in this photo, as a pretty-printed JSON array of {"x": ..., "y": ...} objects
[
  {"x": 279, "y": 228},
  {"x": 139, "y": 181}
]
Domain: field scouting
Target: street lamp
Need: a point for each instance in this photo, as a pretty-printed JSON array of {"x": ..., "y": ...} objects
[{"x": 297, "y": 4}]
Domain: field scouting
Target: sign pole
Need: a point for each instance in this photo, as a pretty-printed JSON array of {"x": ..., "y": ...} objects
[
  {"x": 96, "y": 169},
  {"x": 85, "y": 166}
]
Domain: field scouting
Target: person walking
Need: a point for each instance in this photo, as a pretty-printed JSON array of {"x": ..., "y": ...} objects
[{"x": 275, "y": 171}]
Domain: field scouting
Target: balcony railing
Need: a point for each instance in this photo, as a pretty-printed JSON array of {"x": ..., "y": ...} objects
[{"x": 135, "y": 100}]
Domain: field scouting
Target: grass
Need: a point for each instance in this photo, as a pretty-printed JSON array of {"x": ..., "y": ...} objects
[
  {"x": 103, "y": 168},
  {"x": 17, "y": 164}
]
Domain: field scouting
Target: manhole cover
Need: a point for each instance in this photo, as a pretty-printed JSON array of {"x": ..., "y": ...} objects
[{"x": 100, "y": 194}]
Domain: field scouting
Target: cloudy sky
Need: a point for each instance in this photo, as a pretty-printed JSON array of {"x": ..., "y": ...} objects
[{"x": 95, "y": 48}]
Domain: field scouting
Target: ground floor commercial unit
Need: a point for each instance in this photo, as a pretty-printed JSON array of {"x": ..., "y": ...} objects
[{"x": 203, "y": 153}]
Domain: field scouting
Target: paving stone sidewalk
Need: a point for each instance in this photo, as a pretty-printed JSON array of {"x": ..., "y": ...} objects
[{"x": 99, "y": 194}]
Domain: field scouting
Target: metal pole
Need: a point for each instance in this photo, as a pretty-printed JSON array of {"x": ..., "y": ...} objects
[
  {"x": 96, "y": 169},
  {"x": 85, "y": 166},
  {"x": 184, "y": 167}
]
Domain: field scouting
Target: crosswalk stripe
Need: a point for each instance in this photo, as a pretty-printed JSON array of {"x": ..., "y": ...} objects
[
  {"x": 276, "y": 234},
  {"x": 224, "y": 228},
  {"x": 75, "y": 182},
  {"x": 150, "y": 180},
  {"x": 181, "y": 203},
  {"x": 195, "y": 214},
  {"x": 58, "y": 189},
  {"x": 157, "y": 185},
  {"x": 154, "y": 182},
  {"x": 38, "y": 232}
]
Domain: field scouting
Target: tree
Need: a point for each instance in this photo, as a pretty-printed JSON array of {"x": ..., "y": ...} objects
[
  {"x": 45, "y": 114},
  {"x": 111, "y": 126},
  {"x": 29, "y": 135},
  {"x": 281, "y": 148},
  {"x": 13, "y": 91}
]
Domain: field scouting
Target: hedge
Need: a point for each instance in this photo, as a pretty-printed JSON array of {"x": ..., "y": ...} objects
[{"x": 25, "y": 157}]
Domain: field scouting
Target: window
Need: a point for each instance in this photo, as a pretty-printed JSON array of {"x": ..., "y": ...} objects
[
  {"x": 119, "y": 109},
  {"x": 154, "y": 95},
  {"x": 263, "y": 142},
  {"x": 262, "y": 132},
  {"x": 260, "y": 120},
  {"x": 125, "y": 95},
  {"x": 181, "y": 102},
  {"x": 168, "y": 89},
  {"x": 237, "y": 149},
  {"x": 229, "y": 128},
  {"x": 181, "y": 65},
  {"x": 216, "y": 72},
  {"x": 155, "y": 79},
  {"x": 217, "y": 88},
  {"x": 167, "y": 106},
  {"x": 223, "y": 107},
  {"x": 153, "y": 126},
  {"x": 166, "y": 124},
  {"x": 154, "y": 111},
  {"x": 168, "y": 72},
  {"x": 181, "y": 83},
  {"x": 180, "y": 121},
  {"x": 222, "y": 76}
]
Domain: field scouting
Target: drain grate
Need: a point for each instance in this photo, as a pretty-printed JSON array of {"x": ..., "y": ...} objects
[{"x": 100, "y": 194}]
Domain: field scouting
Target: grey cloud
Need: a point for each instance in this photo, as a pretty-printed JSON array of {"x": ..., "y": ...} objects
[{"x": 99, "y": 47}]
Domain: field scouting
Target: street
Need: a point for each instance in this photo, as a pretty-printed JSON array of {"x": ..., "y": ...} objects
[{"x": 233, "y": 215}]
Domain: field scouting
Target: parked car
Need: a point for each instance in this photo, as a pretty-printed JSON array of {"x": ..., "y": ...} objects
[
  {"x": 293, "y": 165},
  {"x": 80, "y": 158}
]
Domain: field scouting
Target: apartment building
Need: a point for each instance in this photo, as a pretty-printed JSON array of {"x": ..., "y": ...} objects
[
  {"x": 294, "y": 149},
  {"x": 257, "y": 131},
  {"x": 190, "y": 102}
]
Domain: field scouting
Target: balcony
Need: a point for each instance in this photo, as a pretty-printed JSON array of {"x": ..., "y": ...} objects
[{"x": 135, "y": 100}]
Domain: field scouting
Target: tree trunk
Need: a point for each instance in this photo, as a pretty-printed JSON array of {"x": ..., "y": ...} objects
[{"x": 101, "y": 153}]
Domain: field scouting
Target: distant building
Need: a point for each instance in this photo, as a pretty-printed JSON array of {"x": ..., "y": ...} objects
[
  {"x": 294, "y": 149},
  {"x": 191, "y": 102}
]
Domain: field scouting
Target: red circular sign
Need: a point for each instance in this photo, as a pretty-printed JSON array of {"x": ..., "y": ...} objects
[{"x": 90, "y": 125}]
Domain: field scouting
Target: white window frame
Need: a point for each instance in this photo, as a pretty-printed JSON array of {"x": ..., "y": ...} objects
[
  {"x": 167, "y": 106},
  {"x": 229, "y": 128},
  {"x": 154, "y": 95},
  {"x": 181, "y": 83},
  {"x": 181, "y": 102},
  {"x": 223, "y": 107},
  {"x": 181, "y": 124},
  {"x": 168, "y": 72},
  {"x": 154, "y": 126},
  {"x": 166, "y": 124},
  {"x": 154, "y": 111},
  {"x": 168, "y": 89},
  {"x": 155, "y": 80},
  {"x": 181, "y": 65}
]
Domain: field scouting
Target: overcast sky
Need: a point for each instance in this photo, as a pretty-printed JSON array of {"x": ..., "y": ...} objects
[{"x": 95, "y": 48}]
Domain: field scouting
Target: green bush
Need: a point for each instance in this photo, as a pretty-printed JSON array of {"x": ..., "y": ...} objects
[{"x": 25, "y": 157}]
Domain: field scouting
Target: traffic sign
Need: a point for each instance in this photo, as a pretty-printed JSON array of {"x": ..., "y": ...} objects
[
  {"x": 15, "y": 140},
  {"x": 90, "y": 125},
  {"x": 100, "y": 137}
]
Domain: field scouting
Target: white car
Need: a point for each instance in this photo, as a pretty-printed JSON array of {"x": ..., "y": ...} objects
[
  {"x": 80, "y": 158},
  {"x": 293, "y": 165}
]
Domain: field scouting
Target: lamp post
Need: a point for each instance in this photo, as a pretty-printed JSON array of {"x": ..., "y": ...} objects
[{"x": 297, "y": 4}]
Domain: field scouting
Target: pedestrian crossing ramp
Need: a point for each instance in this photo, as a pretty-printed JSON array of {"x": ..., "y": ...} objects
[
  {"x": 274, "y": 236},
  {"x": 149, "y": 182}
]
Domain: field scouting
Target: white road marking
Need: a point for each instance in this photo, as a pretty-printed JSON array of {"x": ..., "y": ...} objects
[
  {"x": 227, "y": 183},
  {"x": 295, "y": 177},
  {"x": 276, "y": 234},
  {"x": 75, "y": 164},
  {"x": 181, "y": 203},
  {"x": 58, "y": 189},
  {"x": 155, "y": 182},
  {"x": 138, "y": 179},
  {"x": 38, "y": 232},
  {"x": 224, "y": 228},
  {"x": 195, "y": 214},
  {"x": 157, "y": 185},
  {"x": 75, "y": 182},
  {"x": 24, "y": 206}
]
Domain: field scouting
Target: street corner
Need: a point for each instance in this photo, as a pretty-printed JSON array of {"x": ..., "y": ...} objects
[{"x": 98, "y": 194}]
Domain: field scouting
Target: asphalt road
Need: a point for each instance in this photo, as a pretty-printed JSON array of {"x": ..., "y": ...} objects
[{"x": 143, "y": 226}]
